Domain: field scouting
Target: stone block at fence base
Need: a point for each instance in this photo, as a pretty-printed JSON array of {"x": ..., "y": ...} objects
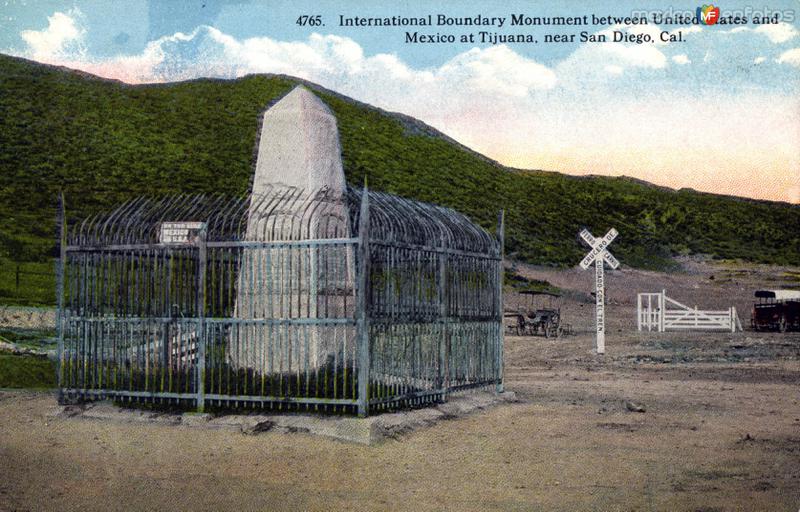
[
  {"x": 368, "y": 431},
  {"x": 106, "y": 411},
  {"x": 371, "y": 430}
]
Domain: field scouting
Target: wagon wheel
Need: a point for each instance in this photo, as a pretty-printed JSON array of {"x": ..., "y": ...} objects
[
  {"x": 547, "y": 330},
  {"x": 513, "y": 330}
]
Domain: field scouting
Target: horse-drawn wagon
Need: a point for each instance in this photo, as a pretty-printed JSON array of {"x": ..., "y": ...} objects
[{"x": 540, "y": 314}]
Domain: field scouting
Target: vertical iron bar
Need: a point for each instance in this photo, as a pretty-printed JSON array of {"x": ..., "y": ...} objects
[
  {"x": 444, "y": 353},
  {"x": 363, "y": 318},
  {"x": 60, "y": 273},
  {"x": 200, "y": 308},
  {"x": 499, "y": 304}
]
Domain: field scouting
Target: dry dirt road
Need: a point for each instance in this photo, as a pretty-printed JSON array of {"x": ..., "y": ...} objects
[{"x": 721, "y": 431}]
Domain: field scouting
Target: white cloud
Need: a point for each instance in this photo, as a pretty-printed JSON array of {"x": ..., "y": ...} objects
[
  {"x": 681, "y": 59},
  {"x": 636, "y": 56},
  {"x": 759, "y": 59},
  {"x": 62, "y": 35},
  {"x": 689, "y": 30},
  {"x": 497, "y": 70},
  {"x": 791, "y": 57},
  {"x": 778, "y": 33},
  {"x": 602, "y": 63},
  {"x": 632, "y": 54}
]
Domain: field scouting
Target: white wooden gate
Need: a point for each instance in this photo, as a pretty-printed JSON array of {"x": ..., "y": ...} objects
[{"x": 657, "y": 312}]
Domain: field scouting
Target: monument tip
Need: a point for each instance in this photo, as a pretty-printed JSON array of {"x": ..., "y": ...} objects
[
  {"x": 300, "y": 99},
  {"x": 299, "y": 145}
]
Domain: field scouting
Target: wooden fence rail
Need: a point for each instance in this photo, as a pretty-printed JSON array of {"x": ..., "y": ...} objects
[{"x": 657, "y": 312}]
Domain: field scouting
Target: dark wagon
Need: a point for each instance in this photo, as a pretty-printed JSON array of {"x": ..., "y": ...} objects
[
  {"x": 776, "y": 310},
  {"x": 540, "y": 315}
]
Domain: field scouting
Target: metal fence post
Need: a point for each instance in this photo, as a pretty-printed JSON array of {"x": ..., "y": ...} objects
[
  {"x": 501, "y": 331},
  {"x": 60, "y": 280},
  {"x": 361, "y": 308},
  {"x": 200, "y": 368},
  {"x": 444, "y": 341}
]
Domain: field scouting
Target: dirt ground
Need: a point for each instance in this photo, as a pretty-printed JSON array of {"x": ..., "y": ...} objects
[{"x": 720, "y": 431}]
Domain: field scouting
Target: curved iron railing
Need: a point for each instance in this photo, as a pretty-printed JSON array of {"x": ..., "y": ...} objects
[{"x": 354, "y": 300}]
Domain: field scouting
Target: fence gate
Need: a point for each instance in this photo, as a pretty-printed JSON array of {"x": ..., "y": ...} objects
[{"x": 657, "y": 312}]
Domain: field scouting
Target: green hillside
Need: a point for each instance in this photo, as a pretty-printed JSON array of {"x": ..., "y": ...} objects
[{"x": 103, "y": 142}]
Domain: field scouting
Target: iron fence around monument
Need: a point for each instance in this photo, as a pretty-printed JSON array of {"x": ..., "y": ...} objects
[{"x": 356, "y": 303}]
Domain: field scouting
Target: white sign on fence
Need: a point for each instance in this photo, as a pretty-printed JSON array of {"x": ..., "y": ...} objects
[
  {"x": 179, "y": 232},
  {"x": 598, "y": 255}
]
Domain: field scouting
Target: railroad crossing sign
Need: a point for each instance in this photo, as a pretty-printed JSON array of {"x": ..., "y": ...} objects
[{"x": 598, "y": 255}]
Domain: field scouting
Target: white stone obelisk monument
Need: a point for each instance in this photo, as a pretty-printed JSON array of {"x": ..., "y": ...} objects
[{"x": 299, "y": 154}]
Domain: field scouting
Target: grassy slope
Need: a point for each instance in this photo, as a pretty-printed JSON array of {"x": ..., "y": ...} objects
[
  {"x": 26, "y": 371},
  {"x": 103, "y": 142}
]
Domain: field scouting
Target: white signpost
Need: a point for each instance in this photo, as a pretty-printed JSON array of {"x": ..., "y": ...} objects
[{"x": 598, "y": 255}]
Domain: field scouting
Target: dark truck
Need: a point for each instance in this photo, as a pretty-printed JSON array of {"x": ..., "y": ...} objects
[{"x": 776, "y": 310}]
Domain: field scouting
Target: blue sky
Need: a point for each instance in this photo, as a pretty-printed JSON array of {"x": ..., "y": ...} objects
[{"x": 719, "y": 111}]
